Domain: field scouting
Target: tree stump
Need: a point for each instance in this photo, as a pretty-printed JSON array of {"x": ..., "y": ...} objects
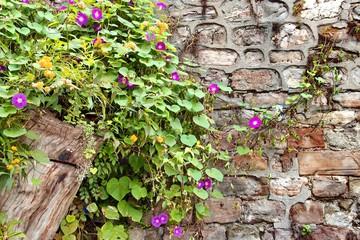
[{"x": 43, "y": 207}]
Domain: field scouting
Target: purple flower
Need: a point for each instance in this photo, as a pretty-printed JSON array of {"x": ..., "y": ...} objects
[
  {"x": 175, "y": 76},
  {"x": 255, "y": 122},
  {"x": 201, "y": 184},
  {"x": 178, "y": 231},
  {"x": 150, "y": 37},
  {"x": 62, "y": 8},
  {"x": 161, "y": 5},
  {"x": 131, "y": 3},
  {"x": 160, "y": 46},
  {"x": 71, "y": 2},
  {"x": 213, "y": 88},
  {"x": 79, "y": 60},
  {"x": 168, "y": 58},
  {"x": 19, "y": 100},
  {"x": 207, "y": 183},
  {"x": 156, "y": 221},
  {"x": 96, "y": 14},
  {"x": 25, "y": 1},
  {"x": 86, "y": 211},
  {"x": 123, "y": 80},
  {"x": 2, "y": 68},
  {"x": 81, "y": 18},
  {"x": 97, "y": 27},
  {"x": 130, "y": 85},
  {"x": 163, "y": 218},
  {"x": 98, "y": 40}
]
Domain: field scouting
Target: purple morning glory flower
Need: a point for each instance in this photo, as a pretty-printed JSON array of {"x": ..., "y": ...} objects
[
  {"x": 200, "y": 184},
  {"x": 178, "y": 231},
  {"x": 2, "y": 68},
  {"x": 123, "y": 80},
  {"x": 160, "y": 46},
  {"x": 207, "y": 183},
  {"x": 97, "y": 27},
  {"x": 175, "y": 76},
  {"x": 213, "y": 88},
  {"x": 131, "y": 3},
  {"x": 71, "y": 2},
  {"x": 156, "y": 221},
  {"x": 161, "y": 5},
  {"x": 96, "y": 14},
  {"x": 130, "y": 85},
  {"x": 62, "y": 8},
  {"x": 81, "y": 18},
  {"x": 163, "y": 218},
  {"x": 255, "y": 122},
  {"x": 150, "y": 37},
  {"x": 168, "y": 58},
  {"x": 25, "y": 1},
  {"x": 19, "y": 100}
]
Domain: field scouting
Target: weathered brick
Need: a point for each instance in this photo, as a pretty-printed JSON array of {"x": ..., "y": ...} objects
[
  {"x": 323, "y": 186},
  {"x": 249, "y": 35},
  {"x": 211, "y": 34},
  {"x": 265, "y": 100},
  {"x": 194, "y": 13},
  {"x": 287, "y": 186},
  {"x": 244, "y": 186},
  {"x": 217, "y": 57},
  {"x": 307, "y": 213},
  {"x": 250, "y": 162},
  {"x": 348, "y": 138},
  {"x": 332, "y": 118},
  {"x": 329, "y": 163},
  {"x": 254, "y": 56},
  {"x": 148, "y": 234},
  {"x": 226, "y": 210},
  {"x": 317, "y": 10},
  {"x": 352, "y": 81},
  {"x": 267, "y": 11},
  {"x": 214, "y": 232},
  {"x": 309, "y": 138},
  {"x": 290, "y": 35},
  {"x": 293, "y": 77},
  {"x": 331, "y": 233},
  {"x": 241, "y": 231},
  {"x": 263, "y": 211},
  {"x": 257, "y": 80},
  {"x": 238, "y": 11},
  {"x": 286, "y": 57},
  {"x": 351, "y": 100},
  {"x": 354, "y": 185}
]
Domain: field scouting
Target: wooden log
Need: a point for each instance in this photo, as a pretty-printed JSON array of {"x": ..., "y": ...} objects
[{"x": 43, "y": 207}]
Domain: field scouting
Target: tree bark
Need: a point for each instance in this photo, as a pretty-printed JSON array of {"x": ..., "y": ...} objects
[{"x": 43, "y": 207}]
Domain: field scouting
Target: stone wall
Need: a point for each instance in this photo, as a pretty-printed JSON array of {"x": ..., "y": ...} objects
[{"x": 260, "y": 49}]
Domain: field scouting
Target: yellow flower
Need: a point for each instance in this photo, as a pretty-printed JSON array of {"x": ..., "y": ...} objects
[
  {"x": 39, "y": 85},
  {"x": 49, "y": 74},
  {"x": 152, "y": 29},
  {"x": 47, "y": 89},
  {"x": 9, "y": 167},
  {"x": 15, "y": 161},
  {"x": 162, "y": 27},
  {"x": 14, "y": 148},
  {"x": 160, "y": 139},
  {"x": 133, "y": 138},
  {"x": 45, "y": 62},
  {"x": 81, "y": 5},
  {"x": 144, "y": 24},
  {"x": 131, "y": 45},
  {"x": 17, "y": 165}
]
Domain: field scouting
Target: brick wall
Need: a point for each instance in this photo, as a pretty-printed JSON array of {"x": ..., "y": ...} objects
[{"x": 260, "y": 49}]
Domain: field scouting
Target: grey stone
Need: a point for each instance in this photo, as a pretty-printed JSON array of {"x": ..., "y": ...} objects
[
  {"x": 256, "y": 80},
  {"x": 263, "y": 211},
  {"x": 290, "y": 35},
  {"x": 324, "y": 186},
  {"x": 242, "y": 232},
  {"x": 254, "y": 56},
  {"x": 268, "y": 11},
  {"x": 217, "y": 57},
  {"x": 243, "y": 186},
  {"x": 211, "y": 34},
  {"x": 214, "y": 232},
  {"x": 236, "y": 11},
  {"x": 286, "y": 57},
  {"x": 348, "y": 138},
  {"x": 317, "y": 10},
  {"x": 249, "y": 35}
]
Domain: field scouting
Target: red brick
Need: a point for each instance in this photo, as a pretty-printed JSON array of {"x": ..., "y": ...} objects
[
  {"x": 250, "y": 162},
  {"x": 324, "y": 186},
  {"x": 307, "y": 213},
  {"x": 309, "y": 138}
]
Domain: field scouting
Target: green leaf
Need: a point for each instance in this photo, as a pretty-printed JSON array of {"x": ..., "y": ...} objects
[
  {"x": 242, "y": 150},
  {"x": 118, "y": 188},
  {"x": 170, "y": 140},
  {"x": 6, "y": 111},
  {"x": 68, "y": 237},
  {"x": 176, "y": 125},
  {"x": 32, "y": 135},
  {"x": 136, "y": 162},
  {"x": 223, "y": 87},
  {"x": 138, "y": 192},
  {"x": 176, "y": 215},
  {"x": 201, "y": 121},
  {"x": 110, "y": 232},
  {"x": 197, "y": 107},
  {"x": 126, "y": 23},
  {"x": 14, "y": 132},
  {"x": 169, "y": 170},
  {"x": 195, "y": 174},
  {"x": 188, "y": 140},
  {"x": 70, "y": 218},
  {"x": 216, "y": 194},
  {"x": 214, "y": 173},
  {"x": 92, "y": 207},
  {"x": 201, "y": 193},
  {"x": 174, "y": 108},
  {"x": 69, "y": 228},
  {"x": 127, "y": 210},
  {"x": 36, "y": 181},
  {"x": 24, "y": 30},
  {"x": 111, "y": 212},
  {"x": 39, "y": 156},
  {"x": 199, "y": 93},
  {"x": 121, "y": 100},
  {"x": 240, "y": 128}
]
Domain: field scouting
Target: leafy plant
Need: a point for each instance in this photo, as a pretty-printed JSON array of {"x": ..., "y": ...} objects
[{"x": 7, "y": 228}]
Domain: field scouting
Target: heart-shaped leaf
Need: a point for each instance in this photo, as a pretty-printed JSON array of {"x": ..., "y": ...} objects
[
  {"x": 202, "y": 121},
  {"x": 201, "y": 193},
  {"x": 242, "y": 150},
  {"x": 214, "y": 173},
  {"x": 188, "y": 140}
]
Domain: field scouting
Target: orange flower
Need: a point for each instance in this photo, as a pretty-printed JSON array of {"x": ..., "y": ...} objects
[
  {"x": 15, "y": 161},
  {"x": 49, "y": 74},
  {"x": 133, "y": 138},
  {"x": 160, "y": 139},
  {"x": 38, "y": 85},
  {"x": 47, "y": 89},
  {"x": 9, "y": 167},
  {"x": 162, "y": 27},
  {"x": 14, "y": 148}
]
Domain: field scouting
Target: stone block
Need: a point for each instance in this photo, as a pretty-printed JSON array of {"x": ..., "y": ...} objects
[
  {"x": 308, "y": 138},
  {"x": 293, "y": 77},
  {"x": 329, "y": 163},
  {"x": 211, "y": 34},
  {"x": 290, "y": 35},
  {"x": 193, "y": 13},
  {"x": 254, "y": 56},
  {"x": 255, "y": 79},
  {"x": 250, "y": 162},
  {"x": 263, "y": 210},
  {"x": 287, "y": 186},
  {"x": 352, "y": 82},
  {"x": 348, "y": 138},
  {"x": 324, "y": 186},
  {"x": 214, "y": 232},
  {"x": 332, "y": 118},
  {"x": 351, "y": 100},
  {"x": 318, "y": 10},
  {"x": 217, "y": 57},
  {"x": 286, "y": 57},
  {"x": 216, "y": 75},
  {"x": 244, "y": 186},
  {"x": 235, "y": 12},
  {"x": 241, "y": 231},
  {"x": 331, "y": 233},
  {"x": 249, "y": 36},
  {"x": 265, "y": 100},
  {"x": 227, "y": 210},
  {"x": 148, "y": 234},
  {"x": 354, "y": 187},
  {"x": 268, "y": 11},
  {"x": 307, "y": 213}
]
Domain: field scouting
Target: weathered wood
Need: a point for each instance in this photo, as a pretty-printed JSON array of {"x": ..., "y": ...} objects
[{"x": 42, "y": 208}]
